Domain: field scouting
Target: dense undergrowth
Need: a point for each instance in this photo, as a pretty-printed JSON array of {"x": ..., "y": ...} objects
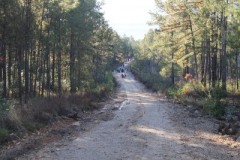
[
  {"x": 194, "y": 93},
  {"x": 152, "y": 80},
  {"x": 16, "y": 120},
  {"x": 188, "y": 92}
]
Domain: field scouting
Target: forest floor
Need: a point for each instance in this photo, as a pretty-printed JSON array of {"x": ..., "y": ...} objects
[{"x": 135, "y": 124}]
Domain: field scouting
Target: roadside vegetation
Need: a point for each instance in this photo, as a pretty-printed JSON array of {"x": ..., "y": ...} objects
[
  {"x": 193, "y": 55},
  {"x": 56, "y": 61},
  {"x": 57, "y": 58}
]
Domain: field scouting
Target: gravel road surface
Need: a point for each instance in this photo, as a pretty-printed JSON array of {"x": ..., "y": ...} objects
[{"x": 143, "y": 126}]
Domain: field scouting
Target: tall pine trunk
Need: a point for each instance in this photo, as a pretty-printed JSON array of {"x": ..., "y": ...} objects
[
  {"x": 72, "y": 62},
  {"x": 19, "y": 54},
  {"x": 224, "y": 53},
  {"x": 194, "y": 48},
  {"x": 59, "y": 59}
]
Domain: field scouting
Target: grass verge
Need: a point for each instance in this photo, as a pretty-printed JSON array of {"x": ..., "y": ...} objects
[{"x": 17, "y": 120}]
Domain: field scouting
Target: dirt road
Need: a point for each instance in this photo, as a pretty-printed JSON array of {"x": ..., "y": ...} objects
[{"x": 144, "y": 127}]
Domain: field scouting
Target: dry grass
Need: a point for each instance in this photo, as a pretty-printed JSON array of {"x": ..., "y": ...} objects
[{"x": 40, "y": 112}]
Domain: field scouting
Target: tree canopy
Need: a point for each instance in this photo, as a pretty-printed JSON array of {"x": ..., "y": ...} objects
[
  {"x": 51, "y": 47},
  {"x": 197, "y": 37}
]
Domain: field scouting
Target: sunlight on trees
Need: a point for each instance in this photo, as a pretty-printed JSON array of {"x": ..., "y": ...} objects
[{"x": 198, "y": 38}]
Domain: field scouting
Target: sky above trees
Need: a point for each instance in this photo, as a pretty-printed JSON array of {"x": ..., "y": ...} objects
[{"x": 129, "y": 17}]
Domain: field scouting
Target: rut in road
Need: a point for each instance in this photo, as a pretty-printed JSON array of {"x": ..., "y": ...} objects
[{"x": 142, "y": 129}]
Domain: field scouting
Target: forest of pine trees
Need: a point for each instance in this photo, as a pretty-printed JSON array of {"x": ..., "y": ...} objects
[
  {"x": 56, "y": 60},
  {"x": 51, "y": 47},
  {"x": 197, "y": 37},
  {"x": 63, "y": 48},
  {"x": 195, "y": 48}
]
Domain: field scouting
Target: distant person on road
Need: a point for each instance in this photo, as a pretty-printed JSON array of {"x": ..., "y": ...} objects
[
  {"x": 123, "y": 74},
  {"x": 122, "y": 70}
]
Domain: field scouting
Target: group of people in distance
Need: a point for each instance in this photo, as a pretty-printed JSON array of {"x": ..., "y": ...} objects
[{"x": 122, "y": 70}]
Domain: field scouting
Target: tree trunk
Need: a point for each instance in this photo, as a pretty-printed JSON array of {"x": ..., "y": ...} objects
[
  {"x": 9, "y": 70},
  {"x": 214, "y": 67},
  {"x": 47, "y": 59},
  {"x": 194, "y": 48},
  {"x": 203, "y": 62},
  {"x": 59, "y": 59},
  {"x": 19, "y": 74},
  {"x": 3, "y": 63},
  {"x": 72, "y": 62},
  {"x": 224, "y": 54},
  {"x": 53, "y": 68},
  {"x": 27, "y": 47},
  {"x": 237, "y": 71},
  {"x": 3, "y": 71}
]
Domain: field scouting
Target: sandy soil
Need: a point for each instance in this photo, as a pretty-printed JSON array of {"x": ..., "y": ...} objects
[{"x": 143, "y": 126}]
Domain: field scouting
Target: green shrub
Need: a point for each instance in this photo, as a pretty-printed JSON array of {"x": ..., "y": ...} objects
[
  {"x": 152, "y": 80},
  {"x": 215, "y": 106},
  {"x": 216, "y": 93},
  {"x": 173, "y": 92},
  {"x": 108, "y": 83},
  {"x": 193, "y": 88},
  {"x": 4, "y": 105},
  {"x": 4, "y": 133}
]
